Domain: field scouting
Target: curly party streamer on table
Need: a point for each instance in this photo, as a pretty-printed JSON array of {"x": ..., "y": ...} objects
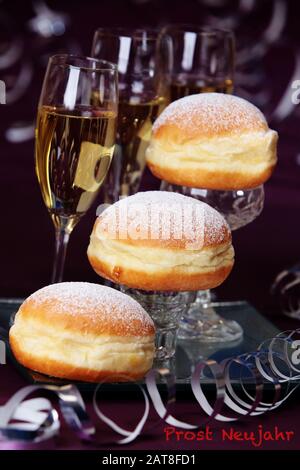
[{"x": 32, "y": 423}]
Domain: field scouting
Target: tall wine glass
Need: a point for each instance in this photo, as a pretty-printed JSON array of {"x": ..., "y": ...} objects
[
  {"x": 196, "y": 60},
  {"x": 142, "y": 97},
  {"x": 75, "y": 137}
]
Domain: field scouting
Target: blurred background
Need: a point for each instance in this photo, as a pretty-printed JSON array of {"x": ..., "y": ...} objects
[{"x": 268, "y": 61}]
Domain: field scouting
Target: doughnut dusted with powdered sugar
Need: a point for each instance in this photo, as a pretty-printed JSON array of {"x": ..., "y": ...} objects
[
  {"x": 212, "y": 141},
  {"x": 164, "y": 241},
  {"x": 83, "y": 331}
]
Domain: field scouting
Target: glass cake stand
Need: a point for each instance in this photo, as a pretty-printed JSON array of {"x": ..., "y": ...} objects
[
  {"x": 165, "y": 309},
  {"x": 239, "y": 208}
]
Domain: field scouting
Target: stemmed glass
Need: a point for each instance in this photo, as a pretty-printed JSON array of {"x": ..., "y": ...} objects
[
  {"x": 142, "y": 97},
  {"x": 196, "y": 60},
  {"x": 239, "y": 208},
  {"x": 75, "y": 137}
]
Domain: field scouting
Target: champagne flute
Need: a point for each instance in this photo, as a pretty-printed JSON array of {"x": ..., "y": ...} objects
[
  {"x": 196, "y": 59},
  {"x": 142, "y": 97},
  {"x": 75, "y": 137}
]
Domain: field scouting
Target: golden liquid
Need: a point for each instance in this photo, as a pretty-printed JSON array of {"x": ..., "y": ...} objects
[
  {"x": 179, "y": 89},
  {"x": 134, "y": 127},
  {"x": 73, "y": 152}
]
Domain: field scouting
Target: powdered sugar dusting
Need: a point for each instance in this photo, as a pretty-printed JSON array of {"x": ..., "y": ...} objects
[
  {"x": 165, "y": 215},
  {"x": 94, "y": 303},
  {"x": 215, "y": 112}
]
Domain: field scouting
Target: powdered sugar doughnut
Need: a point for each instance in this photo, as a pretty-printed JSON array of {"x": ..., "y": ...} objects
[
  {"x": 213, "y": 141},
  {"x": 160, "y": 240},
  {"x": 83, "y": 331}
]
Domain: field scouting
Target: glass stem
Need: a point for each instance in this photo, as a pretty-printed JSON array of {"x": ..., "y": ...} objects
[
  {"x": 61, "y": 243},
  {"x": 204, "y": 297}
]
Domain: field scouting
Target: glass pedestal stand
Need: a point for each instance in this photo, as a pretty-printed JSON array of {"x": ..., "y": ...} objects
[
  {"x": 165, "y": 309},
  {"x": 239, "y": 208},
  {"x": 202, "y": 322}
]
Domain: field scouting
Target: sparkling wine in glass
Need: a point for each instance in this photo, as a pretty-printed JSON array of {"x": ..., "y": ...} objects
[
  {"x": 142, "y": 97},
  {"x": 192, "y": 86},
  {"x": 196, "y": 60},
  {"x": 75, "y": 137}
]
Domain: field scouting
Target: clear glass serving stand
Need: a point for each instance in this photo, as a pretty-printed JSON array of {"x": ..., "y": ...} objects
[{"x": 239, "y": 208}]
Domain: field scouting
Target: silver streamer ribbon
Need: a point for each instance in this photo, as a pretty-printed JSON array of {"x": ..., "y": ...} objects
[{"x": 34, "y": 422}]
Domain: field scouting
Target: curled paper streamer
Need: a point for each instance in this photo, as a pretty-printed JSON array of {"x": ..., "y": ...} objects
[
  {"x": 28, "y": 421},
  {"x": 129, "y": 435},
  {"x": 276, "y": 363}
]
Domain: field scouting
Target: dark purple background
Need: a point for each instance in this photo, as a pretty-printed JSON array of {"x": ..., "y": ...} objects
[
  {"x": 26, "y": 239},
  {"x": 262, "y": 249}
]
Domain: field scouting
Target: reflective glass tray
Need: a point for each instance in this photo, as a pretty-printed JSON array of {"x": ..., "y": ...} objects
[{"x": 256, "y": 329}]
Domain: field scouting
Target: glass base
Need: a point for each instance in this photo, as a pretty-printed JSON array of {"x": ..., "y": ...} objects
[
  {"x": 202, "y": 323},
  {"x": 165, "y": 309}
]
